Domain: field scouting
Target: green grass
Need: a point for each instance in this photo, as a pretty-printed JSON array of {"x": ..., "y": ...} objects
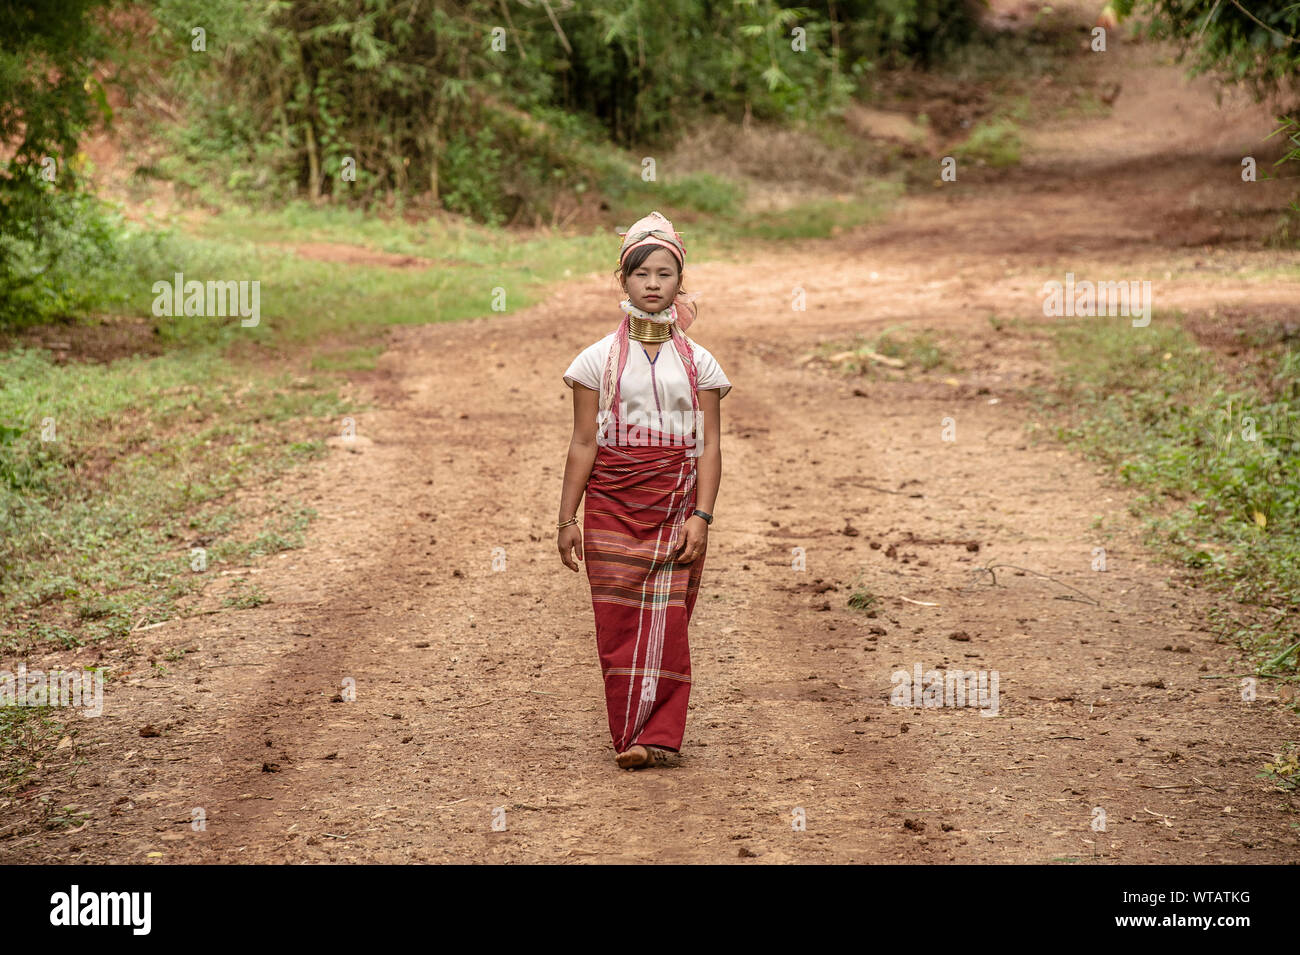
[
  {"x": 360, "y": 358},
  {"x": 817, "y": 219},
  {"x": 1284, "y": 271},
  {"x": 286, "y": 530},
  {"x": 1285, "y": 231},
  {"x": 341, "y": 309},
  {"x": 863, "y": 600},
  {"x": 1216, "y": 454},
  {"x": 26, "y": 734},
  {"x": 918, "y": 349},
  {"x": 860, "y": 598},
  {"x": 305, "y": 301},
  {"x": 701, "y": 192},
  {"x": 1084, "y": 103},
  {"x": 993, "y": 143},
  {"x": 246, "y": 596},
  {"x": 97, "y": 524},
  {"x": 111, "y": 475}
]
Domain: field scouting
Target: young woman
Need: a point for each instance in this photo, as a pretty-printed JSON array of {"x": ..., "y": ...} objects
[{"x": 645, "y": 450}]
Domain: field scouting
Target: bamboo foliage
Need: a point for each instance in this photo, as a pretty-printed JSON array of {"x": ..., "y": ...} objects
[{"x": 412, "y": 90}]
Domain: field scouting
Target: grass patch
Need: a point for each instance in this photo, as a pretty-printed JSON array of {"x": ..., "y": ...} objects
[
  {"x": 26, "y": 733},
  {"x": 1282, "y": 270},
  {"x": 475, "y": 270},
  {"x": 994, "y": 143},
  {"x": 917, "y": 350},
  {"x": 111, "y": 476},
  {"x": 1285, "y": 232},
  {"x": 115, "y": 497},
  {"x": 864, "y": 600},
  {"x": 285, "y": 530},
  {"x": 1216, "y": 456},
  {"x": 818, "y": 219},
  {"x": 860, "y": 598},
  {"x": 700, "y": 192},
  {"x": 360, "y": 358},
  {"x": 245, "y": 596},
  {"x": 1087, "y": 103}
]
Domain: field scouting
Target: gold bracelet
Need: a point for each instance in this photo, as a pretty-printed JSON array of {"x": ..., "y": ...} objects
[{"x": 572, "y": 520}]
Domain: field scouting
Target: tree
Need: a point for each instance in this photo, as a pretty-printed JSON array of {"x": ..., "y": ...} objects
[
  {"x": 1257, "y": 48},
  {"x": 47, "y": 98}
]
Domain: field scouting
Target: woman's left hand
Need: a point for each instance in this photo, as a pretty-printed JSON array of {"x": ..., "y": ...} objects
[{"x": 696, "y": 540}]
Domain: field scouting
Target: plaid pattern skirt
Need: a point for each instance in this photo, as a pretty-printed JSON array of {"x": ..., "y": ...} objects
[{"x": 638, "y": 499}]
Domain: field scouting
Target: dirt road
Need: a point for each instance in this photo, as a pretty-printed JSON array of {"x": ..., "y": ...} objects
[{"x": 478, "y": 690}]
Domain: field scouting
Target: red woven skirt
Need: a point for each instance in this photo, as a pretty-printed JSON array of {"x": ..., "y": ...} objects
[{"x": 637, "y": 501}]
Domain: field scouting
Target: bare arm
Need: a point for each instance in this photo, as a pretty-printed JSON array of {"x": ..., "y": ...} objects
[
  {"x": 709, "y": 466},
  {"x": 577, "y": 470},
  {"x": 708, "y": 475}
]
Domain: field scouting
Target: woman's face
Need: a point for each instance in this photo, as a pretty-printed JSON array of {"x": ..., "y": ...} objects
[{"x": 653, "y": 284}]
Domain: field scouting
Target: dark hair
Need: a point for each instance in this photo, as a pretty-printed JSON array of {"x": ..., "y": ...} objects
[{"x": 637, "y": 257}]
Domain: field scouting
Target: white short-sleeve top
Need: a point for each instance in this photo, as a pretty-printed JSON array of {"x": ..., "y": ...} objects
[{"x": 650, "y": 388}]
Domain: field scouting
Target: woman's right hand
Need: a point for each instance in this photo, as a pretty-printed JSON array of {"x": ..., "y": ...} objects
[{"x": 570, "y": 539}]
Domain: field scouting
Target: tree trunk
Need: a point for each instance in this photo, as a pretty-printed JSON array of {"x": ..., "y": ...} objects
[{"x": 313, "y": 164}]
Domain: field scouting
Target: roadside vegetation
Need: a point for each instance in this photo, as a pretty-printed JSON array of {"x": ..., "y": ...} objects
[{"x": 1210, "y": 436}]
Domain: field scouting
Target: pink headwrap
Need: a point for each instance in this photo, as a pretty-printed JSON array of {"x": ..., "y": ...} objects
[{"x": 643, "y": 233}]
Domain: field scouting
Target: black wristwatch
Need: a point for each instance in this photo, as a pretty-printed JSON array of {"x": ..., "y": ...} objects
[{"x": 708, "y": 518}]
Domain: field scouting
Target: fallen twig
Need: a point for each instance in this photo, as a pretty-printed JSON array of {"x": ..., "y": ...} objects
[
  {"x": 988, "y": 569},
  {"x": 1163, "y": 818},
  {"x": 873, "y": 487},
  {"x": 867, "y": 353}
]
